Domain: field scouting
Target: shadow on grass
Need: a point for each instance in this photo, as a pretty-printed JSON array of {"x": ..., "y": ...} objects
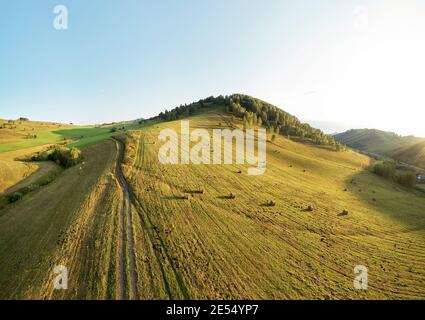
[{"x": 406, "y": 206}]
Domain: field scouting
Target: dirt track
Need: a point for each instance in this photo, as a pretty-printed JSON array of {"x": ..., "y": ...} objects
[{"x": 126, "y": 229}]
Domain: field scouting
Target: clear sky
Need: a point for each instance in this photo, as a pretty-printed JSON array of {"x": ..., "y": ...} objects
[{"x": 360, "y": 63}]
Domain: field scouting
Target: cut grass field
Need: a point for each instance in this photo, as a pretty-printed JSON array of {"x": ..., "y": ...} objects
[
  {"x": 39, "y": 231},
  {"x": 213, "y": 247},
  {"x": 13, "y": 172},
  {"x": 149, "y": 233}
]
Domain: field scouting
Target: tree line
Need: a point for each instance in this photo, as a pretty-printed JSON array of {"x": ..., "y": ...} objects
[
  {"x": 254, "y": 111},
  {"x": 387, "y": 169}
]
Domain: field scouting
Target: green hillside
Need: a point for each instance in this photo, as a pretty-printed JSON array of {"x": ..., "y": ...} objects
[
  {"x": 408, "y": 149},
  {"x": 413, "y": 154},
  {"x": 375, "y": 141},
  {"x": 129, "y": 227}
]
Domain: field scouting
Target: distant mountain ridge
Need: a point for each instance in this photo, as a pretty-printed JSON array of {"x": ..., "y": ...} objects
[
  {"x": 413, "y": 154},
  {"x": 409, "y": 149}
]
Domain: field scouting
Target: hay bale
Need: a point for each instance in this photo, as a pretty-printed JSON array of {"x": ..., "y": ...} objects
[
  {"x": 344, "y": 213},
  {"x": 271, "y": 203},
  {"x": 310, "y": 208}
]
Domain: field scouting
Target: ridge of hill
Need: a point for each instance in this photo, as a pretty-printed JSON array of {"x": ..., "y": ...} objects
[
  {"x": 408, "y": 149},
  {"x": 254, "y": 111},
  {"x": 375, "y": 141},
  {"x": 412, "y": 154}
]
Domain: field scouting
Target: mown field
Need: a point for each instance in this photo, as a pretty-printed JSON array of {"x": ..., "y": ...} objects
[
  {"x": 213, "y": 247},
  {"x": 60, "y": 222},
  {"x": 19, "y": 138},
  {"x": 141, "y": 231}
]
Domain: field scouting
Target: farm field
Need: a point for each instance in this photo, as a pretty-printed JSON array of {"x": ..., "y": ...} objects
[
  {"x": 212, "y": 247},
  {"x": 13, "y": 172},
  {"x": 63, "y": 219},
  {"x": 17, "y": 135},
  {"x": 128, "y": 227}
]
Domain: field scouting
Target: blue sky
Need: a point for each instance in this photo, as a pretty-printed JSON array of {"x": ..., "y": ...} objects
[{"x": 121, "y": 60}]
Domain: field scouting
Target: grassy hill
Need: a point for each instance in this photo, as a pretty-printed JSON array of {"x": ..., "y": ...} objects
[
  {"x": 408, "y": 149},
  {"x": 20, "y": 134},
  {"x": 413, "y": 154},
  {"x": 144, "y": 230},
  {"x": 19, "y": 138},
  {"x": 375, "y": 141},
  {"x": 213, "y": 247}
]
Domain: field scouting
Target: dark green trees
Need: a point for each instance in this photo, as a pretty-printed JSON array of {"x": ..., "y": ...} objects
[{"x": 257, "y": 112}]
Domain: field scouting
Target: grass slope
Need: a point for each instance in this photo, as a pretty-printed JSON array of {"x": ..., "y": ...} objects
[
  {"x": 13, "y": 136},
  {"x": 213, "y": 247},
  {"x": 67, "y": 219},
  {"x": 13, "y": 172},
  {"x": 147, "y": 241},
  {"x": 414, "y": 154},
  {"x": 375, "y": 141}
]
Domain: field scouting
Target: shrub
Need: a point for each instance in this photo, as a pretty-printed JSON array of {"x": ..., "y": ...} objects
[
  {"x": 66, "y": 157},
  {"x": 407, "y": 179},
  {"x": 15, "y": 197},
  {"x": 384, "y": 169}
]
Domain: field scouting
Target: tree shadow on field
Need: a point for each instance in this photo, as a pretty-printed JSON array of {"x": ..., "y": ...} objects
[{"x": 406, "y": 206}]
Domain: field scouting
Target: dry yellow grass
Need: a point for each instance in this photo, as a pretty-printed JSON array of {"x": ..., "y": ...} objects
[
  {"x": 16, "y": 130},
  {"x": 213, "y": 247},
  {"x": 13, "y": 171},
  {"x": 206, "y": 245},
  {"x": 66, "y": 221}
]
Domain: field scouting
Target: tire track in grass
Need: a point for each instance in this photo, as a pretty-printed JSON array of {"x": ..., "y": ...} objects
[
  {"x": 147, "y": 225},
  {"x": 127, "y": 241},
  {"x": 132, "y": 259},
  {"x": 149, "y": 236},
  {"x": 121, "y": 262}
]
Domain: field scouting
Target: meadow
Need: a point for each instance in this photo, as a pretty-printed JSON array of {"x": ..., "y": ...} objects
[
  {"x": 128, "y": 227},
  {"x": 207, "y": 245}
]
